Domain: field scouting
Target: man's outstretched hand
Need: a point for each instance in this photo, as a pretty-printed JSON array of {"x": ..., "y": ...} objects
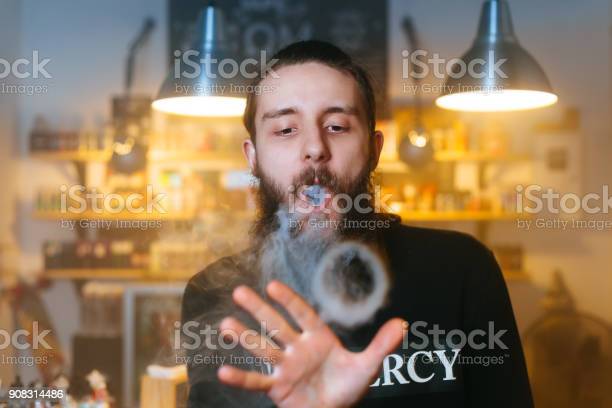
[{"x": 312, "y": 368}]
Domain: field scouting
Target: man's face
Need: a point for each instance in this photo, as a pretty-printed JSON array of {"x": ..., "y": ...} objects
[{"x": 313, "y": 120}]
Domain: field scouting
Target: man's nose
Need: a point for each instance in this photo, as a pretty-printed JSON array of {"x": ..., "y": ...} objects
[{"x": 315, "y": 148}]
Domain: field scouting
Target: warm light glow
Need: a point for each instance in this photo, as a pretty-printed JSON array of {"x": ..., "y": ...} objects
[
  {"x": 497, "y": 101},
  {"x": 418, "y": 139},
  {"x": 201, "y": 105},
  {"x": 123, "y": 149},
  {"x": 395, "y": 206}
]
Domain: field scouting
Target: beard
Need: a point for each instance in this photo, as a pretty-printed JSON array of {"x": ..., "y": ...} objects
[
  {"x": 293, "y": 254},
  {"x": 271, "y": 199}
]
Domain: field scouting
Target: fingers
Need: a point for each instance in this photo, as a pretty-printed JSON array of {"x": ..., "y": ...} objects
[
  {"x": 386, "y": 341},
  {"x": 263, "y": 312},
  {"x": 305, "y": 316},
  {"x": 249, "y": 380},
  {"x": 252, "y": 341}
]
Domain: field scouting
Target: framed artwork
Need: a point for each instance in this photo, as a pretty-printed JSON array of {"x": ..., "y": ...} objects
[{"x": 149, "y": 314}]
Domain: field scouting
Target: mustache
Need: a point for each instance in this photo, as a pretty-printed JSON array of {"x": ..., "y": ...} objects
[
  {"x": 271, "y": 197},
  {"x": 319, "y": 175}
]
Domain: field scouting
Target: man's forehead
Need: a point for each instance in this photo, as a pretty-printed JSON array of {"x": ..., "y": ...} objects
[{"x": 308, "y": 87}]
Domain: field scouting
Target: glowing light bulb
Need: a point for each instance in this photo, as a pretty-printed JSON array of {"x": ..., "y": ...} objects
[
  {"x": 497, "y": 101},
  {"x": 216, "y": 106},
  {"x": 418, "y": 139}
]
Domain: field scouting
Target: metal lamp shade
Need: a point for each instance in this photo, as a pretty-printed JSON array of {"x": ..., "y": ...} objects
[
  {"x": 519, "y": 82},
  {"x": 194, "y": 87},
  {"x": 416, "y": 150}
]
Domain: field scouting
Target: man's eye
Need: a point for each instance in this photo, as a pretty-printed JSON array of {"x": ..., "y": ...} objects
[
  {"x": 336, "y": 129},
  {"x": 285, "y": 132}
]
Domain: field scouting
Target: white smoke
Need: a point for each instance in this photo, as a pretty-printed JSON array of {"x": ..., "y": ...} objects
[
  {"x": 345, "y": 280},
  {"x": 350, "y": 284}
]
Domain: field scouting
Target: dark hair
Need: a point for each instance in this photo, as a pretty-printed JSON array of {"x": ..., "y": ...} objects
[{"x": 325, "y": 53}]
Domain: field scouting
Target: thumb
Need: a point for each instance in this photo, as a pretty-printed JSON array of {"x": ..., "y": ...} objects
[{"x": 386, "y": 340}]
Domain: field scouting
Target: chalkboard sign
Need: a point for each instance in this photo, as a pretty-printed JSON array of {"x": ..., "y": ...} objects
[{"x": 359, "y": 27}]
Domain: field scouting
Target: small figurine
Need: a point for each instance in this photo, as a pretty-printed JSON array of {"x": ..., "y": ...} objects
[{"x": 100, "y": 395}]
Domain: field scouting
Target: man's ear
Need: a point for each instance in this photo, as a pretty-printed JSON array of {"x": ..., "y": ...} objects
[
  {"x": 379, "y": 140},
  {"x": 248, "y": 148}
]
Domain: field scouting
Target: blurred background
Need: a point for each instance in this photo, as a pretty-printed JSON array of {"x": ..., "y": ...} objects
[{"x": 108, "y": 283}]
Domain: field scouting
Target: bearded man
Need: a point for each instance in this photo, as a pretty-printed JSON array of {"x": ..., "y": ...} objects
[{"x": 339, "y": 305}]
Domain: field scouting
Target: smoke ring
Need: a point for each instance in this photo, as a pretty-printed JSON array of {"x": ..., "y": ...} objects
[{"x": 335, "y": 308}]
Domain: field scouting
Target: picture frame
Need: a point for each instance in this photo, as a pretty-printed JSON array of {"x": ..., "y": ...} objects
[{"x": 149, "y": 315}]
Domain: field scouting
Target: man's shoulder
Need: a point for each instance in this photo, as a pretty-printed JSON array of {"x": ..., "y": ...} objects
[
  {"x": 212, "y": 286},
  {"x": 432, "y": 256},
  {"x": 440, "y": 241},
  {"x": 222, "y": 271}
]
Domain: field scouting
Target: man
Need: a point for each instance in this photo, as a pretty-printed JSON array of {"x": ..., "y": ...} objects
[{"x": 445, "y": 337}]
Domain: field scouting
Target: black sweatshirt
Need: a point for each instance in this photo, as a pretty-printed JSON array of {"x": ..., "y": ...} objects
[{"x": 442, "y": 281}]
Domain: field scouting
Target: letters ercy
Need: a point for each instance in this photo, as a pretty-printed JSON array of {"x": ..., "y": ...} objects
[{"x": 407, "y": 373}]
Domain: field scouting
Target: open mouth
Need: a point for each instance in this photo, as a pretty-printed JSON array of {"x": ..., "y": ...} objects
[{"x": 316, "y": 197}]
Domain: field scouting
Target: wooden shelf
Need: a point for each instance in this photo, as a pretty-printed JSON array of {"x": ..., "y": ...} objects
[
  {"x": 449, "y": 216},
  {"x": 181, "y": 155},
  {"x": 125, "y": 216},
  {"x": 446, "y": 156},
  {"x": 220, "y": 161},
  {"x": 397, "y": 166},
  {"x": 227, "y": 160},
  {"x": 96, "y": 273},
  {"x": 392, "y": 166},
  {"x": 76, "y": 155},
  {"x": 113, "y": 274},
  {"x": 122, "y": 216},
  {"x": 142, "y": 274},
  {"x": 406, "y": 216}
]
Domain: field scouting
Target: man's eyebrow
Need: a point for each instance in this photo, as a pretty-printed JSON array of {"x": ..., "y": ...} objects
[
  {"x": 348, "y": 110},
  {"x": 273, "y": 114}
]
